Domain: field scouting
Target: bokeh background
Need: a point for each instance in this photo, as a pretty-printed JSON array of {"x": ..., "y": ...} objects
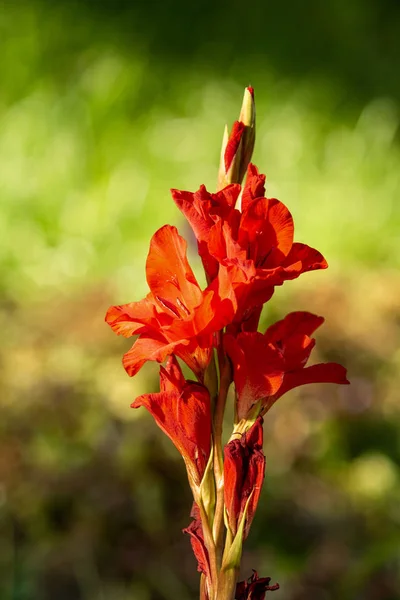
[{"x": 104, "y": 106}]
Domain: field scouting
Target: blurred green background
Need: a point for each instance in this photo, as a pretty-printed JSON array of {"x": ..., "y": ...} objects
[{"x": 104, "y": 106}]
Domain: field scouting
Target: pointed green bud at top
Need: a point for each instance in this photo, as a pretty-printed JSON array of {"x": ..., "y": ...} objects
[
  {"x": 237, "y": 148},
  {"x": 248, "y": 117}
]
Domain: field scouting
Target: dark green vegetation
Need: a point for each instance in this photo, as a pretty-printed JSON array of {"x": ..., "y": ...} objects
[{"x": 103, "y": 107}]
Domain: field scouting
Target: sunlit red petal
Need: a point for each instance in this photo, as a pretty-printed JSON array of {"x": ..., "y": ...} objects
[
  {"x": 321, "y": 373},
  {"x": 184, "y": 415},
  {"x": 202, "y": 208},
  {"x": 146, "y": 348},
  {"x": 171, "y": 376},
  {"x": 267, "y": 229},
  {"x": 309, "y": 259},
  {"x": 292, "y": 336},
  {"x": 169, "y": 274},
  {"x": 133, "y": 318},
  {"x": 294, "y": 324},
  {"x": 254, "y": 186},
  {"x": 258, "y": 368},
  {"x": 233, "y": 143},
  {"x": 186, "y": 202}
]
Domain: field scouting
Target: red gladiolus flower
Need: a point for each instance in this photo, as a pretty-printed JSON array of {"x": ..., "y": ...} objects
[
  {"x": 244, "y": 471},
  {"x": 182, "y": 410},
  {"x": 202, "y": 209},
  {"x": 254, "y": 588},
  {"x": 252, "y": 250},
  {"x": 256, "y": 248},
  {"x": 258, "y": 369},
  {"x": 254, "y": 186},
  {"x": 292, "y": 336},
  {"x": 176, "y": 316},
  {"x": 268, "y": 365},
  {"x": 246, "y": 243}
]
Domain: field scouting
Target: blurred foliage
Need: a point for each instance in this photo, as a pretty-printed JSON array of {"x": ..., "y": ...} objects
[{"x": 103, "y": 107}]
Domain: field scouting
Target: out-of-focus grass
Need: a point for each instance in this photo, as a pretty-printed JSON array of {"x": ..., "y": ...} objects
[
  {"x": 93, "y": 133},
  {"x": 86, "y": 162}
]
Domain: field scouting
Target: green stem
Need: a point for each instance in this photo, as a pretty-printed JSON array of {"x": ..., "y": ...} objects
[{"x": 218, "y": 525}]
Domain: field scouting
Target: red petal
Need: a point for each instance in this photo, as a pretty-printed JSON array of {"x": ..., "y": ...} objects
[
  {"x": 195, "y": 530},
  {"x": 233, "y": 143},
  {"x": 133, "y": 318},
  {"x": 253, "y": 487},
  {"x": 266, "y": 228},
  {"x": 171, "y": 376},
  {"x": 226, "y": 199},
  {"x": 295, "y": 323},
  {"x": 219, "y": 305},
  {"x": 244, "y": 471},
  {"x": 321, "y": 373},
  {"x": 302, "y": 258},
  {"x": 258, "y": 369},
  {"x": 292, "y": 336},
  {"x": 169, "y": 275},
  {"x": 144, "y": 349},
  {"x": 192, "y": 209},
  {"x": 184, "y": 415},
  {"x": 254, "y": 186},
  {"x": 233, "y": 480},
  {"x": 202, "y": 208}
]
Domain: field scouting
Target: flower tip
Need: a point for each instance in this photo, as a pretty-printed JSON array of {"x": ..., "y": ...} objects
[{"x": 247, "y": 112}]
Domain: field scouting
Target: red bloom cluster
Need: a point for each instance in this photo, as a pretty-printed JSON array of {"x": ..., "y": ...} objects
[
  {"x": 246, "y": 243},
  {"x": 250, "y": 250}
]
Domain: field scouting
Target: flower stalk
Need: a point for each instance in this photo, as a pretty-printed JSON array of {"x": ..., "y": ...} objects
[{"x": 246, "y": 243}]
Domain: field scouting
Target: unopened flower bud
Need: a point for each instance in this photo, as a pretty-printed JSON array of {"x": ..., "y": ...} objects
[
  {"x": 244, "y": 470},
  {"x": 237, "y": 147}
]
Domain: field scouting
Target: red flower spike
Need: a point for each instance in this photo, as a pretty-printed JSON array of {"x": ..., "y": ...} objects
[
  {"x": 246, "y": 243},
  {"x": 176, "y": 316},
  {"x": 244, "y": 471},
  {"x": 182, "y": 410},
  {"x": 254, "y": 588}
]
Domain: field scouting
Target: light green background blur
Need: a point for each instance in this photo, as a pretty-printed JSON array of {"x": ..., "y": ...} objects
[{"x": 104, "y": 106}]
